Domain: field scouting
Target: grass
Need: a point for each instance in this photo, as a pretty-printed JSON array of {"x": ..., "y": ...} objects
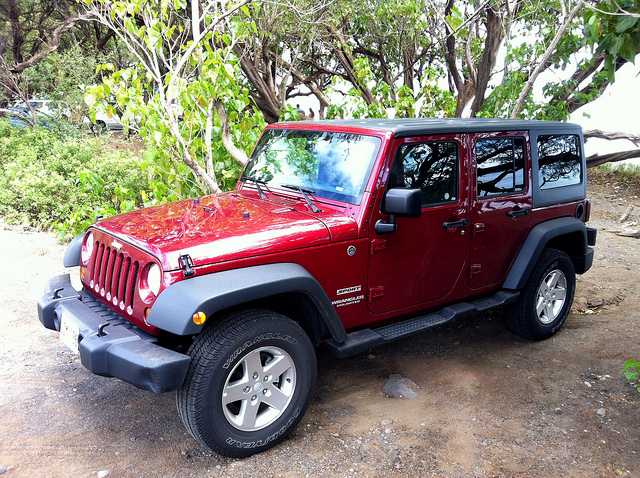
[{"x": 621, "y": 174}]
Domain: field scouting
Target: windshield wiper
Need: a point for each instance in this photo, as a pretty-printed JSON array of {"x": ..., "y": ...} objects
[
  {"x": 304, "y": 192},
  {"x": 257, "y": 182}
]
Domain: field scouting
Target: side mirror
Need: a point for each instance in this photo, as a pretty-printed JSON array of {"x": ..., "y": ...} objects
[{"x": 399, "y": 202}]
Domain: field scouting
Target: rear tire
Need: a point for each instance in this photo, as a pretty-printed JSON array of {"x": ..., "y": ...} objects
[
  {"x": 546, "y": 298},
  {"x": 250, "y": 381}
]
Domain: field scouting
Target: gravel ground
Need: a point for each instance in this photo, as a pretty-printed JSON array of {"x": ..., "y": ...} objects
[{"x": 489, "y": 404}]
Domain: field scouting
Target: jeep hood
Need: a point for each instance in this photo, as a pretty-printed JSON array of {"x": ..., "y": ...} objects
[{"x": 222, "y": 228}]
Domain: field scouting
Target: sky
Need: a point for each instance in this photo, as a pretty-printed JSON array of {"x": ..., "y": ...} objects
[{"x": 618, "y": 109}]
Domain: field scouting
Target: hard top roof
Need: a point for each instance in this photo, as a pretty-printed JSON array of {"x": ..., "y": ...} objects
[{"x": 403, "y": 127}]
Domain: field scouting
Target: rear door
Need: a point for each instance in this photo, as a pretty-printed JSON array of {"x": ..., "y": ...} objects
[
  {"x": 423, "y": 260},
  {"x": 501, "y": 204}
]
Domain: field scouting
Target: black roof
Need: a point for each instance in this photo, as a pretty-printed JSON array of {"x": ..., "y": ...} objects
[{"x": 401, "y": 127}]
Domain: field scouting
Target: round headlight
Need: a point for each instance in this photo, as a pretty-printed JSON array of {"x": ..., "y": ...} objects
[
  {"x": 87, "y": 249},
  {"x": 154, "y": 277}
]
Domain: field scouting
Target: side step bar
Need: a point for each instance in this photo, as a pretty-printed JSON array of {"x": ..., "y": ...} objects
[{"x": 366, "y": 338}]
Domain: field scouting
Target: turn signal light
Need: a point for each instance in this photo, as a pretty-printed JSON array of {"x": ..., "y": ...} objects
[{"x": 199, "y": 318}]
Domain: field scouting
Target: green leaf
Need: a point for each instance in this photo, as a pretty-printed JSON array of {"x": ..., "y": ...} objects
[
  {"x": 90, "y": 99},
  {"x": 628, "y": 52},
  {"x": 229, "y": 69},
  {"x": 626, "y": 23}
]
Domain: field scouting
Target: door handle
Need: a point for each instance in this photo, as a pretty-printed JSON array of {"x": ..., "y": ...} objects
[
  {"x": 453, "y": 224},
  {"x": 518, "y": 212}
]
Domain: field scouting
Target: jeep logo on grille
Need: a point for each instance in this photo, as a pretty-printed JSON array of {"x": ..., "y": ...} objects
[{"x": 116, "y": 245}]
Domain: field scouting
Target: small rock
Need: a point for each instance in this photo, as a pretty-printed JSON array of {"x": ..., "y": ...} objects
[
  {"x": 398, "y": 386},
  {"x": 601, "y": 412},
  {"x": 588, "y": 384},
  {"x": 388, "y": 431},
  {"x": 385, "y": 423},
  {"x": 336, "y": 435},
  {"x": 103, "y": 473},
  {"x": 3, "y": 469},
  {"x": 557, "y": 411},
  {"x": 595, "y": 302}
]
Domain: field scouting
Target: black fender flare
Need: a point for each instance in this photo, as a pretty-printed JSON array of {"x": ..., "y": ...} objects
[
  {"x": 538, "y": 238},
  {"x": 174, "y": 308},
  {"x": 72, "y": 254}
]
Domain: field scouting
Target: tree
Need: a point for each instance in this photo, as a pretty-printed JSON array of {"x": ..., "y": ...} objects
[{"x": 182, "y": 90}]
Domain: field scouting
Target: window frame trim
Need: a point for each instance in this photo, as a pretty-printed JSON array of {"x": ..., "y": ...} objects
[
  {"x": 413, "y": 141},
  {"x": 524, "y": 136}
]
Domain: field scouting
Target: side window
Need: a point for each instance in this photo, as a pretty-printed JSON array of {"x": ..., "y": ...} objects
[
  {"x": 431, "y": 167},
  {"x": 560, "y": 160},
  {"x": 499, "y": 166}
]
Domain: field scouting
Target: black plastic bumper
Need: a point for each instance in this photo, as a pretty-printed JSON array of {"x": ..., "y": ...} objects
[{"x": 121, "y": 349}]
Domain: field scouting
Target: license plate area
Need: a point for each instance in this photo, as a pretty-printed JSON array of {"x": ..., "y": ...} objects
[{"x": 69, "y": 334}]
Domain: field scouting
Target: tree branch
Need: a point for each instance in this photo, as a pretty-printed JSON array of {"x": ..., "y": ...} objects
[
  {"x": 235, "y": 152},
  {"x": 52, "y": 45},
  {"x": 545, "y": 58}
]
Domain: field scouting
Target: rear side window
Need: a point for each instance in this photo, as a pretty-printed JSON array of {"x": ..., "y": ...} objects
[
  {"x": 560, "y": 160},
  {"x": 499, "y": 166},
  {"x": 431, "y": 167}
]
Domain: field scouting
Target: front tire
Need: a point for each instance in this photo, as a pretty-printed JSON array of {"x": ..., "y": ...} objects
[
  {"x": 546, "y": 299},
  {"x": 249, "y": 383}
]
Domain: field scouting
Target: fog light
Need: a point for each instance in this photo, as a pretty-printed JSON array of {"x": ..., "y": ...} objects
[{"x": 199, "y": 318}]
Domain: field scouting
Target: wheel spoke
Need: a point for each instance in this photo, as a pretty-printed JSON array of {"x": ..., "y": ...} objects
[
  {"x": 540, "y": 306},
  {"x": 252, "y": 363},
  {"x": 279, "y": 365},
  {"x": 277, "y": 399},
  {"x": 559, "y": 294},
  {"x": 248, "y": 414},
  {"x": 549, "y": 311},
  {"x": 235, "y": 392},
  {"x": 552, "y": 281}
]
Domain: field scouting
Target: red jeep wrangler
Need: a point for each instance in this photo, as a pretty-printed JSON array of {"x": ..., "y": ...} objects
[{"x": 346, "y": 234}]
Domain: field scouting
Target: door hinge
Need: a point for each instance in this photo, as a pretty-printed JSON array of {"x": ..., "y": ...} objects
[
  {"x": 478, "y": 228},
  {"x": 376, "y": 292},
  {"x": 474, "y": 270},
  {"x": 377, "y": 245}
]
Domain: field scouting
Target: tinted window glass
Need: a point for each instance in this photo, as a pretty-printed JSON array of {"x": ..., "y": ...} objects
[
  {"x": 560, "y": 160},
  {"x": 431, "y": 167},
  {"x": 500, "y": 166}
]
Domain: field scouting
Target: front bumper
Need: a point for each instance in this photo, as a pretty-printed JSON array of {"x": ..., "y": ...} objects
[{"x": 118, "y": 349}]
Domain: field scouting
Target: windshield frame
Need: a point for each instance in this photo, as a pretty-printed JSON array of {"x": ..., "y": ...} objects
[{"x": 318, "y": 193}]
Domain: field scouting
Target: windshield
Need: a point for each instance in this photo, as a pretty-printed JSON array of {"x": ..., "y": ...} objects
[{"x": 331, "y": 165}]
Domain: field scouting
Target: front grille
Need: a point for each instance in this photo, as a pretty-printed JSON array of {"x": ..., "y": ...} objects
[{"x": 113, "y": 275}]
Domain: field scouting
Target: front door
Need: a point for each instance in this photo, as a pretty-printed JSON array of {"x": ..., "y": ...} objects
[{"x": 426, "y": 257}]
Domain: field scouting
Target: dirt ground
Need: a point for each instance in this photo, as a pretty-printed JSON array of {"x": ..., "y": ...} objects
[{"x": 490, "y": 404}]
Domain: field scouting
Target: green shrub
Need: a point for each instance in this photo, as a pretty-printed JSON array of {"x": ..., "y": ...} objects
[
  {"x": 631, "y": 370},
  {"x": 50, "y": 179}
]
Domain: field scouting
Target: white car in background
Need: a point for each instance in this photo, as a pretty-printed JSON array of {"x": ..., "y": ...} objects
[
  {"x": 59, "y": 109},
  {"x": 52, "y": 108},
  {"x": 104, "y": 122}
]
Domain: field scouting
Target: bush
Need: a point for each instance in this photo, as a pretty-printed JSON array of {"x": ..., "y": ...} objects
[
  {"x": 631, "y": 370},
  {"x": 50, "y": 179}
]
